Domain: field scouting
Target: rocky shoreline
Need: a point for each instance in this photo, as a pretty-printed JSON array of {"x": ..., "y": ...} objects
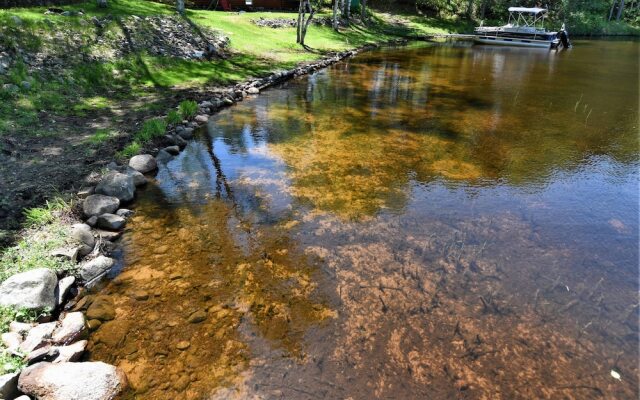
[{"x": 53, "y": 349}]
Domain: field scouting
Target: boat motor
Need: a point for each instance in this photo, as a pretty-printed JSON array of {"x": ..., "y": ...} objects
[{"x": 564, "y": 37}]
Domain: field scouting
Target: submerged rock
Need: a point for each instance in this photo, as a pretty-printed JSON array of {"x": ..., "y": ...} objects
[
  {"x": 33, "y": 290},
  {"x": 117, "y": 185},
  {"x": 72, "y": 381},
  {"x": 183, "y": 345},
  {"x": 143, "y": 163},
  {"x": 101, "y": 309},
  {"x": 98, "y": 204},
  {"x": 197, "y": 317}
]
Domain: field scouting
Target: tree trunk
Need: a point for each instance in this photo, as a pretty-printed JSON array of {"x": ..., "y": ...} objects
[
  {"x": 303, "y": 21},
  {"x": 613, "y": 5},
  {"x": 335, "y": 14},
  {"x": 300, "y": 19},
  {"x": 470, "y": 9},
  {"x": 348, "y": 9},
  {"x": 306, "y": 24},
  {"x": 620, "y": 10},
  {"x": 102, "y": 3},
  {"x": 363, "y": 10},
  {"x": 180, "y": 6}
]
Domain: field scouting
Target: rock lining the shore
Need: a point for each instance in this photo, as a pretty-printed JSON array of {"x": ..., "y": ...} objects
[
  {"x": 32, "y": 290},
  {"x": 118, "y": 185},
  {"x": 72, "y": 381},
  {"x": 97, "y": 204}
]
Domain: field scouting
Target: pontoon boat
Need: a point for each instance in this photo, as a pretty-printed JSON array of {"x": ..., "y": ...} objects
[{"x": 525, "y": 28}]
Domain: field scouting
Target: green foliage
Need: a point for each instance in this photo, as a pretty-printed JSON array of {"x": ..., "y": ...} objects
[
  {"x": 18, "y": 73},
  {"x": 38, "y": 216},
  {"x": 9, "y": 362},
  {"x": 188, "y": 109},
  {"x": 34, "y": 250},
  {"x": 131, "y": 150},
  {"x": 151, "y": 129},
  {"x": 174, "y": 117},
  {"x": 10, "y": 314}
]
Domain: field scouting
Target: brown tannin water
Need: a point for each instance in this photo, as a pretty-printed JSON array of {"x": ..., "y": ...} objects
[{"x": 434, "y": 222}]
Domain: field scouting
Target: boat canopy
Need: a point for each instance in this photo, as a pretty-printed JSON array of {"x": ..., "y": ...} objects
[
  {"x": 527, "y": 17},
  {"x": 534, "y": 10}
]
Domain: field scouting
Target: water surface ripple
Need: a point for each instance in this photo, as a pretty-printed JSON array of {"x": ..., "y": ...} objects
[{"x": 439, "y": 221}]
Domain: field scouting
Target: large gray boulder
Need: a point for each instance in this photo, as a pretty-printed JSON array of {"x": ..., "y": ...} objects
[
  {"x": 143, "y": 163},
  {"x": 98, "y": 204},
  {"x": 72, "y": 381},
  {"x": 96, "y": 268},
  {"x": 117, "y": 185},
  {"x": 33, "y": 290}
]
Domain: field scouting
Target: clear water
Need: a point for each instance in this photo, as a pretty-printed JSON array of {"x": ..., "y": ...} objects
[{"x": 439, "y": 221}]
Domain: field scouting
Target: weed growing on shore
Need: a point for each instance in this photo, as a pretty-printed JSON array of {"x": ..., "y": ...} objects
[
  {"x": 44, "y": 215},
  {"x": 188, "y": 109},
  {"x": 173, "y": 117},
  {"x": 151, "y": 129},
  {"x": 45, "y": 233},
  {"x": 131, "y": 150},
  {"x": 10, "y": 362}
]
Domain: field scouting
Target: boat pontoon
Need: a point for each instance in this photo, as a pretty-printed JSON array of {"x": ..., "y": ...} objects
[{"x": 525, "y": 28}]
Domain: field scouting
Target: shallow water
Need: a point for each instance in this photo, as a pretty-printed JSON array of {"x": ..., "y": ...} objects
[{"x": 440, "y": 221}]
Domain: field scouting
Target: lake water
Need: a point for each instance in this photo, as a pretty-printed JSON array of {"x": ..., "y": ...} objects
[{"x": 438, "y": 221}]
